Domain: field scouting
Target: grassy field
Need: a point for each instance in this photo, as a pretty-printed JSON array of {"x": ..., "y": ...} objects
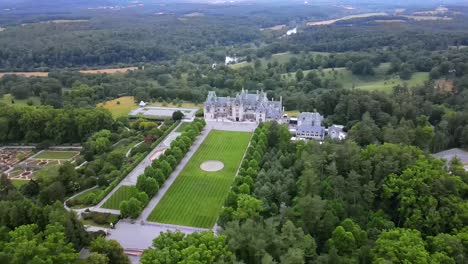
[
  {"x": 61, "y": 155},
  {"x": 379, "y": 82},
  {"x": 196, "y": 197},
  {"x": 281, "y": 58},
  {"x": 417, "y": 79},
  {"x": 123, "y": 193},
  {"x": 332, "y": 21},
  {"x": 7, "y": 99},
  {"x": 119, "y": 107},
  {"x": 18, "y": 183}
]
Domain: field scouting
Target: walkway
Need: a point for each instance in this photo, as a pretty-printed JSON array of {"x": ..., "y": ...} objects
[
  {"x": 132, "y": 177},
  {"x": 75, "y": 195}
]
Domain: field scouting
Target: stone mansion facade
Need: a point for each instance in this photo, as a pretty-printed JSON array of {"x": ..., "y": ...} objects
[{"x": 245, "y": 106}]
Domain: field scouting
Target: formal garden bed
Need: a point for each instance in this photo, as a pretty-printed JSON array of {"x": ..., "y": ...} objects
[{"x": 106, "y": 220}]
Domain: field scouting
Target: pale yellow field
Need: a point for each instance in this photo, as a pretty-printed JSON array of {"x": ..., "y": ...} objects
[
  {"x": 26, "y": 74},
  {"x": 110, "y": 71},
  {"x": 428, "y": 18},
  {"x": 45, "y": 74},
  {"x": 64, "y": 21},
  {"x": 127, "y": 104},
  {"x": 275, "y": 28},
  {"x": 390, "y": 21},
  {"x": 195, "y": 14},
  {"x": 332, "y": 21}
]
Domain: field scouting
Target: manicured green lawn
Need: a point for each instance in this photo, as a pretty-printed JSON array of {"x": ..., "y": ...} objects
[
  {"x": 18, "y": 183},
  {"x": 123, "y": 193},
  {"x": 196, "y": 197},
  {"x": 63, "y": 155}
]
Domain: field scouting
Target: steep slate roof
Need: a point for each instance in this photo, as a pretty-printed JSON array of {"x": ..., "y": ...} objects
[
  {"x": 308, "y": 128},
  {"x": 257, "y": 101}
]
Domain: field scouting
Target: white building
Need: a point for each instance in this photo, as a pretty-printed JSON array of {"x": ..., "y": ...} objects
[
  {"x": 231, "y": 60},
  {"x": 243, "y": 107},
  {"x": 336, "y": 132},
  {"x": 291, "y": 31}
]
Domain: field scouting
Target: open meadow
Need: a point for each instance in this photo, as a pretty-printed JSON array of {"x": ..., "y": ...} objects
[
  {"x": 196, "y": 197},
  {"x": 281, "y": 58},
  {"x": 120, "y": 106},
  {"x": 378, "y": 82}
]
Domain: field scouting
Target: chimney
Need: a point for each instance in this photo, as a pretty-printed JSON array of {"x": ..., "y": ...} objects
[{"x": 281, "y": 99}]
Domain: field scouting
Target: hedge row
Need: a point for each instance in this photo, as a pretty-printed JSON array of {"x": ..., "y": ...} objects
[
  {"x": 128, "y": 169},
  {"x": 156, "y": 175},
  {"x": 243, "y": 183}
]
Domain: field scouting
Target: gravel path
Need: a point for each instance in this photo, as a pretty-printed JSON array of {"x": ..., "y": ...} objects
[
  {"x": 75, "y": 195},
  {"x": 132, "y": 177}
]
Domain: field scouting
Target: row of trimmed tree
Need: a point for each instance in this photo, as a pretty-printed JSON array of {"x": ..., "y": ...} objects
[
  {"x": 240, "y": 204},
  {"x": 149, "y": 182}
]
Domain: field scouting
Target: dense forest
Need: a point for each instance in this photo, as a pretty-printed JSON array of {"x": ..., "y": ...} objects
[{"x": 334, "y": 202}]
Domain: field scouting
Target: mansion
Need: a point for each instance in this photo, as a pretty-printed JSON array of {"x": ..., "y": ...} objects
[
  {"x": 309, "y": 125},
  {"x": 245, "y": 106}
]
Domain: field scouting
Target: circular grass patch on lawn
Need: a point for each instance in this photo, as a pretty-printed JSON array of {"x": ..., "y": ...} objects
[{"x": 212, "y": 165}]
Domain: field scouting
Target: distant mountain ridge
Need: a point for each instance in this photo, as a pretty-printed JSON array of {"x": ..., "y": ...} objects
[{"x": 57, "y": 4}]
